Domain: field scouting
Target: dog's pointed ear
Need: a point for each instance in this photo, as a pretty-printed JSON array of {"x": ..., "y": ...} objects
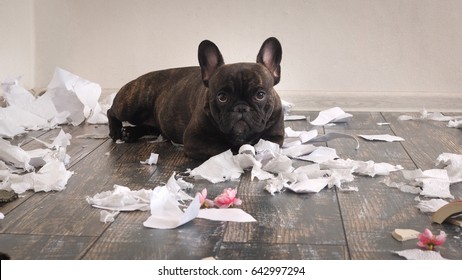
[
  {"x": 270, "y": 56},
  {"x": 210, "y": 59}
]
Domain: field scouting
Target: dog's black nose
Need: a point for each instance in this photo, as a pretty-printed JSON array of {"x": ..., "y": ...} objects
[{"x": 241, "y": 108}]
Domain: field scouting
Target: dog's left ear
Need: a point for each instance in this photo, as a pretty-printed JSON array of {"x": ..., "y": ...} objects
[
  {"x": 210, "y": 59},
  {"x": 270, "y": 56}
]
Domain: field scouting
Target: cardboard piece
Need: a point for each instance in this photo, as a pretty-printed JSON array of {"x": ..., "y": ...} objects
[
  {"x": 405, "y": 234},
  {"x": 448, "y": 210}
]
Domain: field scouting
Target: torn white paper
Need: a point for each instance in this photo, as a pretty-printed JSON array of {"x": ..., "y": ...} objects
[
  {"x": 455, "y": 123},
  {"x": 165, "y": 210},
  {"x": 368, "y": 168},
  {"x": 320, "y": 155},
  {"x": 382, "y": 137},
  {"x": 431, "y": 206},
  {"x": 122, "y": 199},
  {"x": 417, "y": 254},
  {"x": 309, "y": 185},
  {"x": 14, "y": 155},
  {"x": 452, "y": 163},
  {"x": 226, "y": 215},
  {"x": 218, "y": 168},
  {"x": 53, "y": 176},
  {"x": 107, "y": 217},
  {"x": 335, "y": 114},
  {"x": 153, "y": 158}
]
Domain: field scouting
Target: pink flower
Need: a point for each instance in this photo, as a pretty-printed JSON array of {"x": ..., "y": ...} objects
[
  {"x": 428, "y": 240},
  {"x": 203, "y": 199},
  {"x": 227, "y": 199}
]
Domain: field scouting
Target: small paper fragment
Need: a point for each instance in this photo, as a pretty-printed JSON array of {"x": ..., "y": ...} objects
[
  {"x": 334, "y": 114},
  {"x": 226, "y": 215},
  {"x": 320, "y": 155},
  {"x": 153, "y": 158},
  {"x": 382, "y": 137},
  {"x": 165, "y": 211},
  {"x": 405, "y": 234},
  {"x": 432, "y": 205},
  {"x": 417, "y": 254},
  {"x": 218, "y": 168},
  {"x": 107, "y": 217}
]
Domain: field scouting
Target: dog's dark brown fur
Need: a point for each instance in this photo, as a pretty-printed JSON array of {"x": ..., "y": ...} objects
[{"x": 209, "y": 109}]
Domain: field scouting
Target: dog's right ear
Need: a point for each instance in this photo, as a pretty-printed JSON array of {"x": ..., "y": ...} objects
[{"x": 210, "y": 59}]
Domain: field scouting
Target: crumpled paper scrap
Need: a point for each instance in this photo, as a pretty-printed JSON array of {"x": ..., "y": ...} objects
[
  {"x": 368, "y": 168},
  {"x": 417, "y": 254},
  {"x": 218, "y": 168},
  {"x": 165, "y": 210},
  {"x": 320, "y": 155},
  {"x": 309, "y": 185},
  {"x": 431, "y": 205},
  {"x": 14, "y": 155},
  {"x": 452, "y": 163},
  {"x": 334, "y": 115},
  {"x": 153, "y": 158},
  {"x": 107, "y": 217},
  {"x": 382, "y": 137},
  {"x": 434, "y": 182},
  {"x": 226, "y": 215},
  {"x": 455, "y": 123},
  {"x": 53, "y": 176},
  {"x": 121, "y": 199}
]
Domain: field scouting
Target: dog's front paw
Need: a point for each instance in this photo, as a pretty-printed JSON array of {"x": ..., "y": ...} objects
[{"x": 129, "y": 134}]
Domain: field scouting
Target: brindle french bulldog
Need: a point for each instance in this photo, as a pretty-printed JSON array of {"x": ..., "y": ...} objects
[{"x": 209, "y": 109}]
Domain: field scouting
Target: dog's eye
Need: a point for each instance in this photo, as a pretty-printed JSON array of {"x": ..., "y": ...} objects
[
  {"x": 222, "y": 97},
  {"x": 260, "y": 95}
]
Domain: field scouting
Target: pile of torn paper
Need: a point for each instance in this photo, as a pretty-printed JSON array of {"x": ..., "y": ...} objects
[
  {"x": 433, "y": 183},
  {"x": 267, "y": 161},
  {"x": 168, "y": 205},
  {"x": 68, "y": 99},
  {"x": 38, "y": 170}
]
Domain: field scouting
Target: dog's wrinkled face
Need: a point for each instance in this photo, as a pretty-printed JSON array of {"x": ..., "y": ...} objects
[
  {"x": 241, "y": 95},
  {"x": 241, "y": 100}
]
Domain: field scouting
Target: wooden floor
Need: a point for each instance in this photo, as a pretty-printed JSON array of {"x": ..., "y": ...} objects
[{"x": 326, "y": 225}]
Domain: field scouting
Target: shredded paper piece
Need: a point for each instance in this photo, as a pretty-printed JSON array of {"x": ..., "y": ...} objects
[
  {"x": 153, "y": 158},
  {"x": 417, "y": 254},
  {"x": 382, "y": 137},
  {"x": 335, "y": 114},
  {"x": 226, "y": 215}
]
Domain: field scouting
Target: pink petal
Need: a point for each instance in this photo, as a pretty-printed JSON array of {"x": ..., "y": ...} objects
[
  {"x": 425, "y": 237},
  {"x": 420, "y": 244},
  {"x": 440, "y": 239}
]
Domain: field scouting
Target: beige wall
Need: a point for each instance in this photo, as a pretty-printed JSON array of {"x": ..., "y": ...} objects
[
  {"x": 17, "y": 48},
  {"x": 364, "y": 46}
]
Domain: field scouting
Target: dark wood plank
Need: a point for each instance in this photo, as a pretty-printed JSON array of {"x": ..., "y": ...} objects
[
  {"x": 265, "y": 251},
  {"x": 44, "y": 247},
  {"x": 287, "y": 217},
  {"x": 127, "y": 238}
]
